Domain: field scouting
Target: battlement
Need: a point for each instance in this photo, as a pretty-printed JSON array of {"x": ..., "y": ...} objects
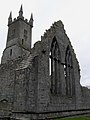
[
  {"x": 19, "y": 37},
  {"x": 29, "y": 22},
  {"x": 22, "y": 18}
]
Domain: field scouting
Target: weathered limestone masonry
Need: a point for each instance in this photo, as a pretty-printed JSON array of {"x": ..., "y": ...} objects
[{"x": 42, "y": 82}]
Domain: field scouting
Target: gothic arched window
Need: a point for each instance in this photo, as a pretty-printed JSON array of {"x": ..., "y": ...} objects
[
  {"x": 54, "y": 66},
  {"x": 68, "y": 71}
]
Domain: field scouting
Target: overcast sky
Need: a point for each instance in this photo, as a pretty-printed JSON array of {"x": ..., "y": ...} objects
[{"x": 75, "y": 14}]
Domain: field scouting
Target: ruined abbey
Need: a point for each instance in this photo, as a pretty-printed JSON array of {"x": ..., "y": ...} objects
[{"x": 42, "y": 82}]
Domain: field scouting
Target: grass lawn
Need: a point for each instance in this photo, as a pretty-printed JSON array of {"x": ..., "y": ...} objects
[{"x": 77, "y": 118}]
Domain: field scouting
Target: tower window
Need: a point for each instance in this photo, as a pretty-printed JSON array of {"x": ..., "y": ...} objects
[
  {"x": 22, "y": 41},
  {"x": 25, "y": 34},
  {"x": 10, "y": 52},
  {"x": 13, "y": 32}
]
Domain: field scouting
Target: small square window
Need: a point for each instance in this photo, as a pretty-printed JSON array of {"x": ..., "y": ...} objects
[
  {"x": 25, "y": 34},
  {"x": 13, "y": 32}
]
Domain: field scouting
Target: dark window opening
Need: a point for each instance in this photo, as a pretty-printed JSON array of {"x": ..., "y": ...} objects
[
  {"x": 13, "y": 32},
  {"x": 10, "y": 52},
  {"x": 54, "y": 66},
  {"x": 25, "y": 34},
  {"x": 68, "y": 72},
  {"x": 22, "y": 41}
]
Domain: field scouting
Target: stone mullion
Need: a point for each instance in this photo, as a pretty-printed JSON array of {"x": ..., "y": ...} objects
[
  {"x": 69, "y": 70},
  {"x": 57, "y": 67},
  {"x": 55, "y": 76},
  {"x": 58, "y": 76},
  {"x": 67, "y": 81},
  {"x": 67, "y": 76},
  {"x": 71, "y": 81}
]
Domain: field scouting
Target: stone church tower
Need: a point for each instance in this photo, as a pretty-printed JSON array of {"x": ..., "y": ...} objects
[
  {"x": 42, "y": 82},
  {"x": 18, "y": 38}
]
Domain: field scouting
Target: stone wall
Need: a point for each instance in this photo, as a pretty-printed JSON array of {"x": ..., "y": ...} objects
[
  {"x": 46, "y": 100},
  {"x": 26, "y": 83},
  {"x": 7, "y": 77}
]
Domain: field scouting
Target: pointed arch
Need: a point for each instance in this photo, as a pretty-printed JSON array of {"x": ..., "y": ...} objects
[
  {"x": 54, "y": 64},
  {"x": 68, "y": 71}
]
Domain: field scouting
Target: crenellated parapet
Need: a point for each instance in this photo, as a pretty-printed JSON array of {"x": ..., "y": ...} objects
[{"x": 29, "y": 22}]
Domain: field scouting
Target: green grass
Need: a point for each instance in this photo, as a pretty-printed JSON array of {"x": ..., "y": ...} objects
[{"x": 77, "y": 118}]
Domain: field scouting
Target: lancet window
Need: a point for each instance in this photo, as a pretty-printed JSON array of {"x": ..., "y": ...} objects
[
  {"x": 54, "y": 66},
  {"x": 68, "y": 71}
]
